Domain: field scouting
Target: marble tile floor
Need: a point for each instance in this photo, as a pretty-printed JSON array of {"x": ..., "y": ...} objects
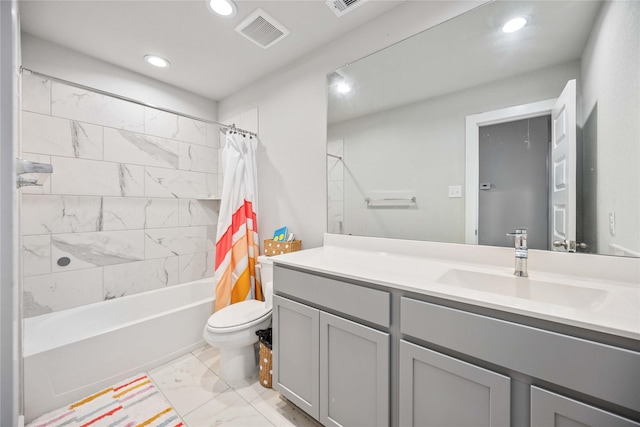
[{"x": 191, "y": 384}]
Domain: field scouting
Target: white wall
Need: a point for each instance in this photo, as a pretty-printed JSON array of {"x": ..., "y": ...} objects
[
  {"x": 292, "y": 122},
  {"x": 57, "y": 61},
  {"x": 420, "y": 148},
  {"x": 610, "y": 70}
]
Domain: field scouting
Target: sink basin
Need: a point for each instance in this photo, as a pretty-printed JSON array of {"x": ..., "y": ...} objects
[{"x": 520, "y": 287}]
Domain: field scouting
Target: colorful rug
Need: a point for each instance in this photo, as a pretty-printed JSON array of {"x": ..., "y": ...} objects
[{"x": 134, "y": 402}]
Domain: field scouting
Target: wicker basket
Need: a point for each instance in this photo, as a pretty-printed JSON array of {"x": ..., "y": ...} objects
[
  {"x": 265, "y": 373},
  {"x": 271, "y": 247}
]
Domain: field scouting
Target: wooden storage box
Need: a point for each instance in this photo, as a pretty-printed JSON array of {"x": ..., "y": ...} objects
[
  {"x": 272, "y": 247},
  {"x": 266, "y": 361}
]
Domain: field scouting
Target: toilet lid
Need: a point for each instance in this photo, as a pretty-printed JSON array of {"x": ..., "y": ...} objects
[{"x": 238, "y": 314}]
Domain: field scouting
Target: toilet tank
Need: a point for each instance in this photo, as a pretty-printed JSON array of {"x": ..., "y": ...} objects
[{"x": 266, "y": 269}]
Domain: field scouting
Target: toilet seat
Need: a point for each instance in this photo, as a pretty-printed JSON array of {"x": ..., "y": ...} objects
[{"x": 238, "y": 316}]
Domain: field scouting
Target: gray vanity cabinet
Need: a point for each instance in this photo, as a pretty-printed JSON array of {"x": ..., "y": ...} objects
[
  {"x": 335, "y": 369},
  {"x": 354, "y": 374},
  {"x": 552, "y": 410},
  {"x": 296, "y": 353},
  {"x": 438, "y": 390}
]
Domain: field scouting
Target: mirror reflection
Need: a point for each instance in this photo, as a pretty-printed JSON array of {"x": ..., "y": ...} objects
[{"x": 469, "y": 131}]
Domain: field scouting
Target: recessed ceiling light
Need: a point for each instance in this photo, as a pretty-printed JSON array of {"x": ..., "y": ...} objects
[
  {"x": 514, "y": 24},
  {"x": 225, "y": 8},
  {"x": 156, "y": 61},
  {"x": 343, "y": 87}
]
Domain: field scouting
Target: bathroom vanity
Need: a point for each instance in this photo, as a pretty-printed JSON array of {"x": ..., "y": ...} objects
[{"x": 439, "y": 334}]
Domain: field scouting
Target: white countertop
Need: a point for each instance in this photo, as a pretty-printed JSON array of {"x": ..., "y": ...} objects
[{"x": 598, "y": 304}]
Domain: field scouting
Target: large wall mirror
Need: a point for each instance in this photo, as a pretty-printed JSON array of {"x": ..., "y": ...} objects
[{"x": 466, "y": 132}]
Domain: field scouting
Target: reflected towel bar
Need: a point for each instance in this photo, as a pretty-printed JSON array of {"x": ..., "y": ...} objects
[{"x": 391, "y": 201}]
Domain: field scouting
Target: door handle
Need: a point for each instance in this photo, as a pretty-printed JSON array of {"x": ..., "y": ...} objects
[
  {"x": 573, "y": 245},
  {"x": 560, "y": 244}
]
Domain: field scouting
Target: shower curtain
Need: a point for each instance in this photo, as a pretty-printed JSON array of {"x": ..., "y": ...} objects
[{"x": 237, "y": 245}]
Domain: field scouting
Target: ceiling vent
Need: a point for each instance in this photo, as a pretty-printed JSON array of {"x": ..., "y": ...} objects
[
  {"x": 340, "y": 7},
  {"x": 262, "y": 29}
]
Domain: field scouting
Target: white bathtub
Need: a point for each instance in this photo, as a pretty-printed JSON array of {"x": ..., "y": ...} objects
[{"x": 73, "y": 353}]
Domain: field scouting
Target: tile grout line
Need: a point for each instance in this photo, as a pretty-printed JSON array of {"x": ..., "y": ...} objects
[{"x": 165, "y": 396}]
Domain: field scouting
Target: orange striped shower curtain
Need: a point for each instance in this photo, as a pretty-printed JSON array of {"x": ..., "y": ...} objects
[{"x": 237, "y": 237}]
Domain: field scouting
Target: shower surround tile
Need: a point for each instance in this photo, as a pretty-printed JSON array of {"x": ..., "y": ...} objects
[
  {"x": 61, "y": 137},
  {"x": 122, "y": 213},
  {"x": 135, "y": 277},
  {"x": 98, "y": 249},
  {"x": 161, "y": 213},
  {"x": 59, "y": 291},
  {"x": 79, "y": 104},
  {"x": 36, "y": 255},
  {"x": 211, "y": 237},
  {"x": 60, "y": 214},
  {"x": 138, "y": 148},
  {"x": 121, "y": 203},
  {"x": 213, "y": 135},
  {"x": 36, "y": 94},
  {"x": 164, "y": 242},
  {"x": 335, "y": 170},
  {"x": 89, "y": 177},
  {"x": 335, "y": 211},
  {"x": 168, "y": 125},
  {"x": 198, "y": 212},
  {"x": 174, "y": 183},
  {"x": 195, "y": 266},
  {"x": 335, "y": 191},
  {"x": 213, "y": 189},
  {"x": 198, "y": 159}
]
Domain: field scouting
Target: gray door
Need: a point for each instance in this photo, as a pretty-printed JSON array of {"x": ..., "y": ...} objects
[
  {"x": 514, "y": 182},
  {"x": 552, "y": 410},
  {"x": 354, "y": 374},
  {"x": 438, "y": 390},
  {"x": 295, "y": 353}
]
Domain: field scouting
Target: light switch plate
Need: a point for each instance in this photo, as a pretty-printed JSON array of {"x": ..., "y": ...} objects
[
  {"x": 612, "y": 223},
  {"x": 455, "y": 191}
]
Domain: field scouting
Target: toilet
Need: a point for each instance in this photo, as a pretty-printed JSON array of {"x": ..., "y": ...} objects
[{"x": 232, "y": 329}]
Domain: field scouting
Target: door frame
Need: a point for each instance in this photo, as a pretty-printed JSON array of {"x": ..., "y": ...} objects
[
  {"x": 10, "y": 326},
  {"x": 472, "y": 146}
]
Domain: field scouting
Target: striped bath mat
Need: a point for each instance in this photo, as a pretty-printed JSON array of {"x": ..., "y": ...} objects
[{"x": 134, "y": 402}]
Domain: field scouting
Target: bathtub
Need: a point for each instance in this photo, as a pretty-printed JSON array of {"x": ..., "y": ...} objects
[{"x": 73, "y": 353}]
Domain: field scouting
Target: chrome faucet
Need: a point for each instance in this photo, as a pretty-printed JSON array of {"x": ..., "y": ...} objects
[{"x": 522, "y": 252}]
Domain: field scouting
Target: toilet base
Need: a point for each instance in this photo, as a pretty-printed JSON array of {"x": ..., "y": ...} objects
[{"x": 238, "y": 363}]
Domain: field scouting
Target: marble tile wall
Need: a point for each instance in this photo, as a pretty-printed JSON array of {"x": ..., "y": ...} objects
[
  {"x": 124, "y": 204},
  {"x": 335, "y": 187}
]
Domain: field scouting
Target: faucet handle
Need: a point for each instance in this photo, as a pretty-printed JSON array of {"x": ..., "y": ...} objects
[{"x": 518, "y": 232}]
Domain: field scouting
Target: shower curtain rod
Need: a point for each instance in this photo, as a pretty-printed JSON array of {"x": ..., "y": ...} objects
[{"x": 223, "y": 126}]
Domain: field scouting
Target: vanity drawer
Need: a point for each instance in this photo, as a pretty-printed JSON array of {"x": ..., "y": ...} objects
[
  {"x": 575, "y": 363},
  {"x": 364, "y": 303}
]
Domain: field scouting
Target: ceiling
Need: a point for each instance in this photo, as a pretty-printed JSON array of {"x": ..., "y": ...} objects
[
  {"x": 465, "y": 52},
  {"x": 207, "y": 56}
]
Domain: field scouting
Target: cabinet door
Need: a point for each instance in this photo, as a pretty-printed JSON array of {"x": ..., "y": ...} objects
[
  {"x": 552, "y": 410},
  {"x": 295, "y": 353},
  {"x": 354, "y": 374},
  {"x": 438, "y": 390}
]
